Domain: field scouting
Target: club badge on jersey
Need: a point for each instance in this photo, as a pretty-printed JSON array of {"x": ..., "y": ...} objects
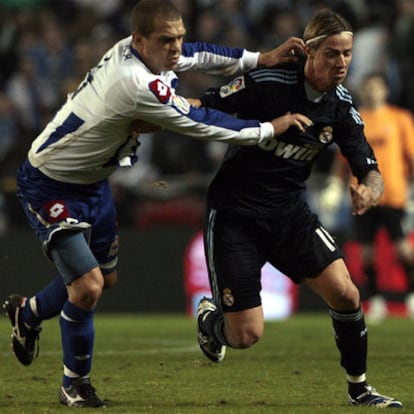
[{"x": 326, "y": 135}]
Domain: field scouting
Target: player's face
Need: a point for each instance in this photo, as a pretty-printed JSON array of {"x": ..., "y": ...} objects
[
  {"x": 327, "y": 66},
  {"x": 161, "y": 50}
]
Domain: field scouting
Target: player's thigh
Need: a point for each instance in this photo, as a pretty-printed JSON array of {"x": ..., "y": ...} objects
[
  {"x": 301, "y": 246},
  {"x": 234, "y": 261},
  {"x": 104, "y": 240}
]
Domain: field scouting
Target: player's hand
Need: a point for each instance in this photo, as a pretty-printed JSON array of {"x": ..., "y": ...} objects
[
  {"x": 194, "y": 102},
  {"x": 283, "y": 123},
  {"x": 286, "y": 52},
  {"x": 362, "y": 198}
]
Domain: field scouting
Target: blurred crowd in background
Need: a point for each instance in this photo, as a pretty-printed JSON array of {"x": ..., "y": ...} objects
[{"x": 47, "y": 46}]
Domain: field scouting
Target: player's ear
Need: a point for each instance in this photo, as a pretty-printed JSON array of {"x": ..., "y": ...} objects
[
  {"x": 308, "y": 51},
  {"x": 136, "y": 40}
]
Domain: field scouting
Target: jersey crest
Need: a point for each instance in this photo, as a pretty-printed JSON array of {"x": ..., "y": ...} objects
[{"x": 326, "y": 135}]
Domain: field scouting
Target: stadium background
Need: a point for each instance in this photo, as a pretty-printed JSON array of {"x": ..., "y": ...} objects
[{"x": 46, "y": 47}]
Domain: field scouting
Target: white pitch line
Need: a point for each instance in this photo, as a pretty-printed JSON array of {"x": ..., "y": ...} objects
[{"x": 152, "y": 351}]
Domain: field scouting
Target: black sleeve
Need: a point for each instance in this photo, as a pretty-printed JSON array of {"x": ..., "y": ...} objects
[
  {"x": 355, "y": 147},
  {"x": 234, "y": 98}
]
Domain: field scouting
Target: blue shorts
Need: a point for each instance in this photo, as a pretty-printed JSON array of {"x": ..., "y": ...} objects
[{"x": 52, "y": 206}]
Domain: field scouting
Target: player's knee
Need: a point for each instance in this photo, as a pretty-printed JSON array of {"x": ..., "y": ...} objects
[
  {"x": 345, "y": 297},
  {"x": 246, "y": 338},
  {"x": 88, "y": 297},
  {"x": 86, "y": 291}
]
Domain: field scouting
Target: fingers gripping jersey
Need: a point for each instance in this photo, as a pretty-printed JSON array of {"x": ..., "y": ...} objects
[{"x": 89, "y": 136}]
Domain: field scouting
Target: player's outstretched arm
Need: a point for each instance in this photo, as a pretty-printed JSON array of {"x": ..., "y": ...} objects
[{"x": 286, "y": 52}]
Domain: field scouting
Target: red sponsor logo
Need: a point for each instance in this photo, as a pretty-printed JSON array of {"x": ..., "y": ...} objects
[
  {"x": 56, "y": 211},
  {"x": 160, "y": 90}
]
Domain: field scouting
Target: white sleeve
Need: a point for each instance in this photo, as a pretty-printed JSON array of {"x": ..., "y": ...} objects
[
  {"x": 160, "y": 105},
  {"x": 216, "y": 59}
]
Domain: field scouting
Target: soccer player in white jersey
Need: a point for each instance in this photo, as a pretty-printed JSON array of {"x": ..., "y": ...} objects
[{"x": 63, "y": 184}]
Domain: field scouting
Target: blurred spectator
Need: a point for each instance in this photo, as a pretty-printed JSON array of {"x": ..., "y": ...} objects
[
  {"x": 53, "y": 58},
  {"x": 8, "y": 127},
  {"x": 16, "y": 27},
  {"x": 103, "y": 8},
  {"x": 402, "y": 48},
  {"x": 282, "y": 22},
  {"x": 31, "y": 95},
  {"x": 9, "y": 142},
  {"x": 390, "y": 132},
  {"x": 208, "y": 27},
  {"x": 371, "y": 49}
]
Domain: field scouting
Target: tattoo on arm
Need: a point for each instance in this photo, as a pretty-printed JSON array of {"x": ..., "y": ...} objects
[{"x": 374, "y": 181}]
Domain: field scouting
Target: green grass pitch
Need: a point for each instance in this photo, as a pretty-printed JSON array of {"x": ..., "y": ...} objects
[{"x": 151, "y": 364}]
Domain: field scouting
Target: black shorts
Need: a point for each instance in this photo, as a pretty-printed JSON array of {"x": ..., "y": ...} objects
[
  {"x": 237, "y": 247},
  {"x": 367, "y": 225}
]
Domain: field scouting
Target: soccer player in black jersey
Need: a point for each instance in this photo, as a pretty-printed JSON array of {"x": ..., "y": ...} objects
[{"x": 257, "y": 209}]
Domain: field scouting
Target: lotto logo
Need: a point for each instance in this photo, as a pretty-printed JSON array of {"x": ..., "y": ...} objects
[
  {"x": 56, "y": 210},
  {"x": 160, "y": 90}
]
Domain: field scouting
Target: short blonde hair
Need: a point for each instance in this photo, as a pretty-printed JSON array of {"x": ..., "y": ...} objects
[{"x": 325, "y": 23}]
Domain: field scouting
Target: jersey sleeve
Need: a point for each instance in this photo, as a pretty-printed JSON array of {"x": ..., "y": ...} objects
[
  {"x": 234, "y": 97},
  {"x": 354, "y": 145},
  {"x": 160, "y": 105},
  {"x": 216, "y": 59}
]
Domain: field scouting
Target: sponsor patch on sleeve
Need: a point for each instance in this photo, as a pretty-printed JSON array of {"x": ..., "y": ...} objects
[
  {"x": 160, "y": 90},
  {"x": 166, "y": 96},
  {"x": 234, "y": 86},
  {"x": 180, "y": 104}
]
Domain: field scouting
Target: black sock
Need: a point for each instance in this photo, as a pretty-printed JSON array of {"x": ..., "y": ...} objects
[
  {"x": 356, "y": 389},
  {"x": 352, "y": 341}
]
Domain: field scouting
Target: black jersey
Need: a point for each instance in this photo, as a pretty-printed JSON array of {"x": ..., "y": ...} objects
[{"x": 267, "y": 180}]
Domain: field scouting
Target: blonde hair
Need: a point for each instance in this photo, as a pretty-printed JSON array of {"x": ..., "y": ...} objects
[{"x": 325, "y": 23}]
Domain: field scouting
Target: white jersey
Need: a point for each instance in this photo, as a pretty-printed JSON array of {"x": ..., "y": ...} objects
[{"x": 89, "y": 136}]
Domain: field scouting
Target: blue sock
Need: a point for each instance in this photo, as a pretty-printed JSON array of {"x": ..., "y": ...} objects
[
  {"x": 46, "y": 304},
  {"x": 78, "y": 334}
]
